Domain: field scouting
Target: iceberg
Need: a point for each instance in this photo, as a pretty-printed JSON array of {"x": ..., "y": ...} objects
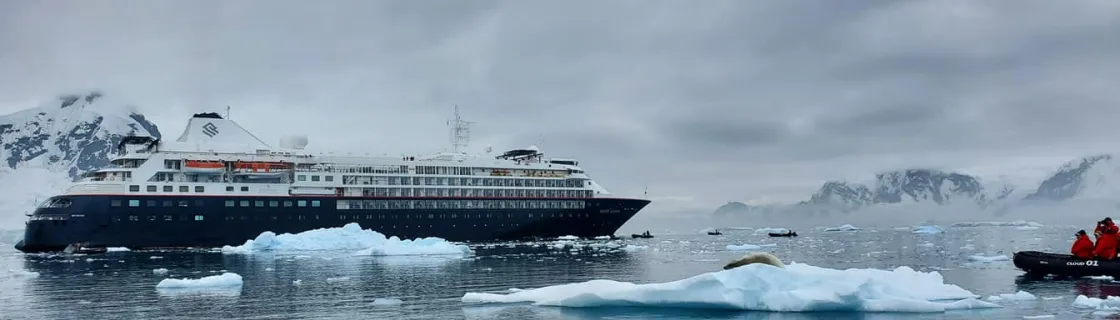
[
  {"x": 759, "y": 287},
  {"x": 846, "y": 227},
  {"x": 224, "y": 280},
  {"x": 348, "y": 237}
]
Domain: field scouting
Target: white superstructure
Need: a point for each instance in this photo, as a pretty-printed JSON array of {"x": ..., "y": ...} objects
[{"x": 216, "y": 156}]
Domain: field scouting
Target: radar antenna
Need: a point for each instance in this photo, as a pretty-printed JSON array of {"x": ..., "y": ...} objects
[{"x": 460, "y": 131}]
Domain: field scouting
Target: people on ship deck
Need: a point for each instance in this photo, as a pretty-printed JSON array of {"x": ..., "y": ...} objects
[
  {"x": 1082, "y": 247},
  {"x": 1105, "y": 248}
]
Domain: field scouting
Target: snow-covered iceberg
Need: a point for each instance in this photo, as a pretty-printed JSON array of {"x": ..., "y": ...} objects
[
  {"x": 795, "y": 288},
  {"x": 349, "y": 237},
  {"x": 846, "y": 227}
]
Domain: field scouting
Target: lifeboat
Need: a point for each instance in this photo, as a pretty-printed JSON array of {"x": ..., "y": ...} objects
[
  {"x": 196, "y": 166},
  {"x": 261, "y": 168}
]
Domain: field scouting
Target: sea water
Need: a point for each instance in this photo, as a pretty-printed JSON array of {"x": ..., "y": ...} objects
[{"x": 342, "y": 285}]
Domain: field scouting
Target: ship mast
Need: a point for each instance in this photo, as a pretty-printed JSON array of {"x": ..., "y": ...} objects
[{"x": 460, "y": 131}]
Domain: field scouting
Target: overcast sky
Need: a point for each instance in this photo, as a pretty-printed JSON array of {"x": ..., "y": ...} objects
[{"x": 703, "y": 101}]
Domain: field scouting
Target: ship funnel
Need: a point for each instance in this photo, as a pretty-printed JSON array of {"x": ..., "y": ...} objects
[{"x": 212, "y": 129}]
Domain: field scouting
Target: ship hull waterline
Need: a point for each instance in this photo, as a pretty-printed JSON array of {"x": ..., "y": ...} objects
[{"x": 206, "y": 221}]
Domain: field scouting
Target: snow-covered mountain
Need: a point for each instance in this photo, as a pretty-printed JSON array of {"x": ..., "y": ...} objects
[
  {"x": 72, "y": 134},
  {"x": 1092, "y": 177},
  {"x": 908, "y": 186}
]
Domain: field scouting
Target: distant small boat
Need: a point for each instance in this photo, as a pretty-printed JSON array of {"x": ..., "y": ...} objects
[
  {"x": 644, "y": 235},
  {"x": 714, "y": 233},
  {"x": 788, "y": 234}
]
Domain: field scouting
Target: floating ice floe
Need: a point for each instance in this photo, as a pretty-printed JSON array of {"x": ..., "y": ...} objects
[
  {"x": 927, "y": 230},
  {"x": 846, "y": 227},
  {"x": 744, "y": 247},
  {"x": 569, "y": 237},
  {"x": 988, "y": 259},
  {"x": 117, "y": 249},
  {"x": 349, "y": 237},
  {"x": 1018, "y": 296},
  {"x": 795, "y": 288},
  {"x": 1108, "y": 306},
  {"x": 1017, "y": 223},
  {"x": 225, "y": 280},
  {"x": 19, "y": 273}
]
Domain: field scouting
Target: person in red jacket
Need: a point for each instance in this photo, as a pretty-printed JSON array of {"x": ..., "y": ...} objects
[
  {"x": 1083, "y": 246},
  {"x": 1106, "y": 243}
]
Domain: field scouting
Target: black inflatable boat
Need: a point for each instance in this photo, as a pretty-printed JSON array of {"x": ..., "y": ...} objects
[
  {"x": 791, "y": 234},
  {"x": 1041, "y": 263}
]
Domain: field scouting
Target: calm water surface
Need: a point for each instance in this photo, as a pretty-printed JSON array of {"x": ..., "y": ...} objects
[{"x": 340, "y": 286}]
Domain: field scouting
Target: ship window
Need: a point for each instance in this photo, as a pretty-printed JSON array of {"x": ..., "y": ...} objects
[
  {"x": 151, "y": 188},
  {"x": 302, "y": 177},
  {"x": 244, "y": 203},
  {"x": 229, "y": 203},
  {"x": 199, "y": 188},
  {"x": 151, "y": 218},
  {"x": 314, "y": 178},
  {"x": 274, "y": 203},
  {"x": 184, "y": 189},
  {"x": 328, "y": 178},
  {"x": 115, "y": 203},
  {"x": 151, "y": 203},
  {"x": 133, "y": 203},
  {"x": 314, "y": 203},
  {"x": 258, "y": 203},
  {"x": 168, "y": 189},
  {"x": 198, "y": 203},
  {"x": 229, "y": 189},
  {"x": 302, "y": 203},
  {"x": 198, "y": 217},
  {"x": 167, "y": 218},
  {"x": 166, "y": 203},
  {"x": 134, "y": 188},
  {"x": 244, "y": 189},
  {"x": 133, "y": 217},
  {"x": 287, "y": 203},
  {"x": 183, "y": 203}
]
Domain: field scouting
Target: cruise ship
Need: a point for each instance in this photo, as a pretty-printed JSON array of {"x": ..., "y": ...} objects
[{"x": 218, "y": 184}]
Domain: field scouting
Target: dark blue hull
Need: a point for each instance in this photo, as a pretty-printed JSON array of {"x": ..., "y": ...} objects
[{"x": 212, "y": 221}]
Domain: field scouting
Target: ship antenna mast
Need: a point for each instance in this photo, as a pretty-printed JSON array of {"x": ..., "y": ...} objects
[{"x": 460, "y": 131}]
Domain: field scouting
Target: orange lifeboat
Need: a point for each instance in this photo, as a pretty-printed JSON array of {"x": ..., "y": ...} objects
[
  {"x": 200, "y": 166},
  {"x": 261, "y": 167}
]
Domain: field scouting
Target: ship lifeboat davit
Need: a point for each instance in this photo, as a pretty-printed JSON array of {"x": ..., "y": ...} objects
[{"x": 196, "y": 166}]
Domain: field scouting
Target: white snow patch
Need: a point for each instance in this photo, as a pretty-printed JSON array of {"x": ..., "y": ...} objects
[
  {"x": 568, "y": 237},
  {"x": 117, "y": 249},
  {"x": 797, "y": 287},
  {"x": 224, "y": 280},
  {"x": 348, "y": 237}
]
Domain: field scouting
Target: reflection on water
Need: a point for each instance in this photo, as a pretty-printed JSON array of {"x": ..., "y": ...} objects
[{"x": 338, "y": 285}]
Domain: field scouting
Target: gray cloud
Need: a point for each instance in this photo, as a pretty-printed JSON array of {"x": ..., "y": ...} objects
[{"x": 728, "y": 100}]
